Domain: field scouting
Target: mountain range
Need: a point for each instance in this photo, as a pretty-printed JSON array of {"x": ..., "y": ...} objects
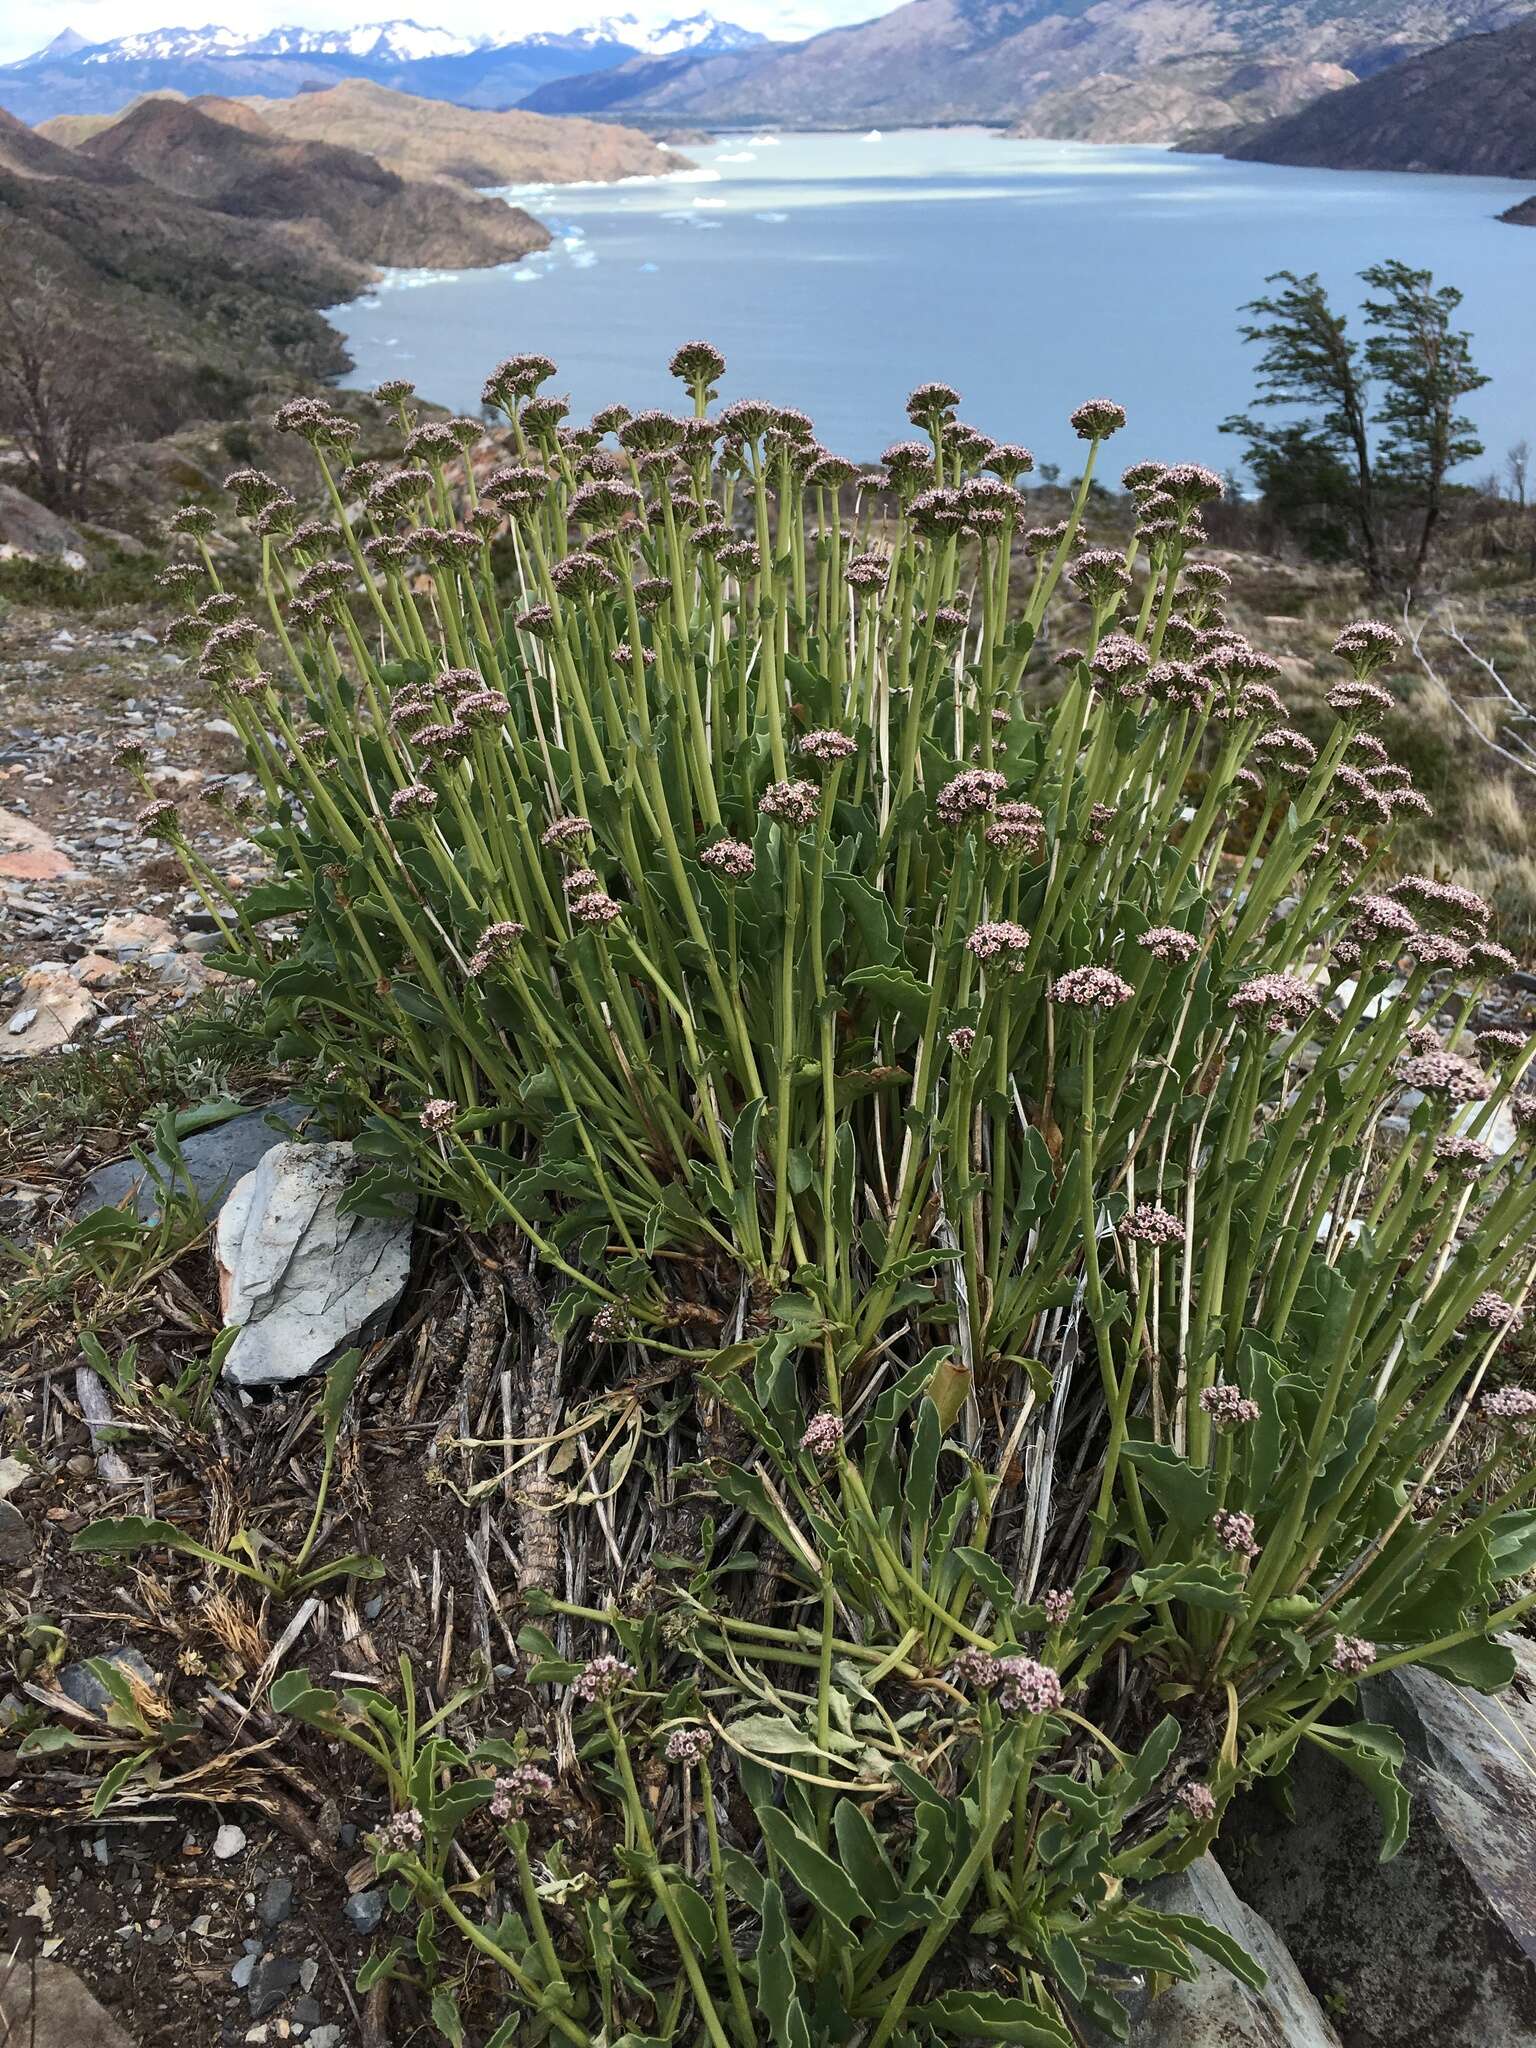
[
  {"x": 73, "y": 75},
  {"x": 1057, "y": 67}
]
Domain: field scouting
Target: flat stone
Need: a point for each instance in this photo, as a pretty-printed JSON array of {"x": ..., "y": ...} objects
[
  {"x": 14, "y": 1475},
  {"x": 1436, "y": 1949},
  {"x": 28, "y": 853},
  {"x": 133, "y": 934},
  {"x": 213, "y": 1159},
  {"x": 95, "y": 970},
  {"x": 297, "y": 1279},
  {"x": 43, "y": 2004},
  {"x": 15, "y": 1535},
  {"x": 53, "y": 1008}
]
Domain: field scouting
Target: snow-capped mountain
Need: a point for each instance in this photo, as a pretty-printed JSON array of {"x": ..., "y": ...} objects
[{"x": 73, "y": 76}]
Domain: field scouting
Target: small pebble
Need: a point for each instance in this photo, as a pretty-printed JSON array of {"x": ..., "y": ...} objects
[{"x": 228, "y": 1842}]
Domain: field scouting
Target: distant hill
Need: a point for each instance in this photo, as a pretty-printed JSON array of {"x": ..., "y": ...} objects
[
  {"x": 222, "y": 155},
  {"x": 75, "y": 76},
  {"x": 997, "y": 61},
  {"x": 421, "y": 138},
  {"x": 1469, "y": 106}
]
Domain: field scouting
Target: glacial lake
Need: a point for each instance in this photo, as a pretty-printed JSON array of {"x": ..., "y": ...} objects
[{"x": 837, "y": 271}]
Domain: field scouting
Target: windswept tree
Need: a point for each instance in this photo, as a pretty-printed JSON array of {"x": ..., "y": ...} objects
[
  {"x": 1342, "y": 489},
  {"x": 68, "y": 389},
  {"x": 1424, "y": 369}
]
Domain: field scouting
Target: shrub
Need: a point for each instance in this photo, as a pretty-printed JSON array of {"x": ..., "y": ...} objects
[{"x": 999, "y": 1126}]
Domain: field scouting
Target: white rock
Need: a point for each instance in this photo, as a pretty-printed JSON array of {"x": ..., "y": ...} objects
[
  {"x": 53, "y": 1009},
  {"x": 299, "y": 1280},
  {"x": 228, "y": 1842},
  {"x": 128, "y": 934}
]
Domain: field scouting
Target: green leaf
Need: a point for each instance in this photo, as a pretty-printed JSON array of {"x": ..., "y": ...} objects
[
  {"x": 990, "y": 2016},
  {"x": 294, "y": 1694},
  {"x": 1183, "y": 1492},
  {"x": 893, "y": 992},
  {"x": 1482, "y": 1665},
  {"x": 776, "y": 1975},
  {"x": 825, "y": 1883},
  {"x": 1374, "y": 1755},
  {"x": 125, "y": 1768},
  {"x": 445, "y": 2017},
  {"x": 125, "y": 1534},
  {"x": 1218, "y": 1945},
  {"x": 989, "y": 1576}
]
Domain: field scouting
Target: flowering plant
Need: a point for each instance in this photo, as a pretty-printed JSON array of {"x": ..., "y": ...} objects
[{"x": 1019, "y": 1094}]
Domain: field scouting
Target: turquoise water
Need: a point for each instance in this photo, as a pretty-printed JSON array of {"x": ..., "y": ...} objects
[{"x": 836, "y": 271}]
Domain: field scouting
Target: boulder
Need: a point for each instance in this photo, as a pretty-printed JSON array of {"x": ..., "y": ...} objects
[
  {"x": 212, "y": 1161},
  {"x": 298, "y": 1279},
  {"x": 44, "y": 2005},
  {"x": 29, "y": 528},
  {"x": 1436, "y": 1949},
  {"x": 1215, "y": 2009}
]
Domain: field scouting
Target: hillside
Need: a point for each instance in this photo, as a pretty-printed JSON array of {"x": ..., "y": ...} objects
[
  {"x": 220, "y": 305},
  {"x": 76, "y": 76},
  {"x": 1469, "y": 106},
  {"x": 420, "y": 138},
  {"x": 992, "y": 60},
  {"x": 1190, "y": 97},
  {"x": 224, "y": 156}
]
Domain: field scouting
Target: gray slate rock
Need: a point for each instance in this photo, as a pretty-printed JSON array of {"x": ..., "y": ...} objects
[
  {"x": 1436, "y": 1949},
  {"x": 215, "y": 1160},
  {"x": 43, "y": 2004},
  {"x": 275, "y": 1980},
  {"x": 15, "y": 1535},
  {"x": 300, "y": 1280},
  {"x": 1217, "y": 2010},
  {"x": 82, "y": 1685},
  {"x": 276, "y": 1901},
  {"x": 363, "y": 1911}
]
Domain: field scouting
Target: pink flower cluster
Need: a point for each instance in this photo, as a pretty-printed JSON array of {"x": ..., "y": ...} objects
[
  {"x": 1235, "y": 1532},
  {"x": 1228, "y": 1406},
  {"x": 999, "y": 940},
  {"x": 1148, "y": 1224},
  {"x": 969, "y": 795},
  {"x": 514, "y": 1788},
  {"x": 823, "y": 1435},
  {"x": 601, "y": 1679},
  {"x": 1090, "y": 988},
  {"x": 1352, "y": 1655},
  {"x": 732, "y": 858},
  {"x": 793, "y": 803}
]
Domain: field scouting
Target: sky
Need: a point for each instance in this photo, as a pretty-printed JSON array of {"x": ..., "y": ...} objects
[{"x": 25, "y": 25}]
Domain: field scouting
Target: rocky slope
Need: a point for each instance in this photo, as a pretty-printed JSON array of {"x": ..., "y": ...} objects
[
  {"x": 1191, "y": 97},
  {"x": 221, "y": 305},
  {"x": 1469, "y": 106},
  {"x": 993, "y": 60},
  {"x": 222, "y": 155},
  {"x": 419, "y": 138}
]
